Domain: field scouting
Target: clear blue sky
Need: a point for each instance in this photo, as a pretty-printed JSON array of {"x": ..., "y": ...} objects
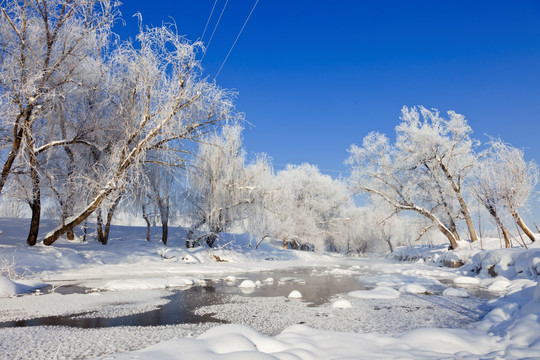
[{"x": 314, "y": 77}]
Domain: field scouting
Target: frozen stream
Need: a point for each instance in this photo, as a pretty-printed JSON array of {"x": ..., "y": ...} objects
[
  {"x": 267, "y": 308},
  {"x": 131, "y": 319}
]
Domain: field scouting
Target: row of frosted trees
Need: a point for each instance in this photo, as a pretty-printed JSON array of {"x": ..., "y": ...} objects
[
  {"x": 85, "y": 115},
  {"x": 433, "y": 169},
  {"x": 91, "y": 125}
]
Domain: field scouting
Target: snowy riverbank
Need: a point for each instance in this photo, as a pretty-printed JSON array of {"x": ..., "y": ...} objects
[{"x": 408, "y": 309}]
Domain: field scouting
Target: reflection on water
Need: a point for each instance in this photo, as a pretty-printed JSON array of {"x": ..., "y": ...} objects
[
  {"x": 179, "y": 310},
  {"x": 317, "y": 286}
]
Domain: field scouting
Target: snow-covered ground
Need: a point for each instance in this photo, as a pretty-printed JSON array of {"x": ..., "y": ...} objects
[{"x": 407, "y": 309}]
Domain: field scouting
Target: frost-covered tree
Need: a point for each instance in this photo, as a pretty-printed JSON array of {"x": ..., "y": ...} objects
[
  {"x": 444, "y": 150},
  {"x": 424, "y": 171},
  {"x": 157, "y": 101},
  {"x": 484, "y": 176},
  {"x": 220, "y": 188},
  {"x": 304, "y": 209},
  {"x": 383, "y": 170},
  {"x": 505, "y": 179},
  {"x": 45, "y": 53},
  {"x": 158, "y": 194}
]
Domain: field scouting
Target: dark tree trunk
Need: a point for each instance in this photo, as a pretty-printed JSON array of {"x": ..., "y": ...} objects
[
  {"x": 147, "y": 220},
  {"x": 110, "y": 215},
  {"x": 99, "y": 225},
  {"x": 164, "y": 231},
  {"x": 35, "y": 204}
]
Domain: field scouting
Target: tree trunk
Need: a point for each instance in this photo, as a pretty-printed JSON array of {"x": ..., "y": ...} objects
[
  {"x": 164, "y": 231},
  {"x": 389, "y": 242},
  {"x": 507, "y": 243},
  {"x": 147, "y": 220},
  {"x": 110, "y": 215},
  {"x": 35, "y": 204},
  {"x": 447, "y": 232},
  {"x": 523, "y": 226},
  {"x": 34, "y": 222},
  {"x": 6, "y": 169},
  {"x": 462, "y": 203},
  {"x": 85, "y": 230},
  {"x": 164, "y": 205},
  {"x": 449, "y": 235},
  {"x": 470, "y": 225},
  {"x": 500, "y": 224},
  {"x": 99, "y": 225}
]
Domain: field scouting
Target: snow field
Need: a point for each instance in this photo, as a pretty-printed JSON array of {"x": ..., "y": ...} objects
[{"x": 393, "y": 317}]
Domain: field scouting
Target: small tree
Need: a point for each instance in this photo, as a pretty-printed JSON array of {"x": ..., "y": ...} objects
[
  {"x": 506, "y": 180},
  {"x": 220, "y": 188},
  {"x": 305, "y": 209}
]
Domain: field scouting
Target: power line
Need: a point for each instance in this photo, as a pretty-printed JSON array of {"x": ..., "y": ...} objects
[
  {"x": 215, "y": 28},
  {"x": 237, "y": 37},
  {"x": 208, "y": 21}
]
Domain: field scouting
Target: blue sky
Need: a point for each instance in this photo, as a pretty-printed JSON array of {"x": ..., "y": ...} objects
[{"x": 314, "y": 77}]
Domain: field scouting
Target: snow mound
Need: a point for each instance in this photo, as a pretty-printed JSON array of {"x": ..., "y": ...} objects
[
  {"x": 247, "y": 284},
  {"x": 7, "y": 287},
  {"x": 342, "y": 304},
  {"x": 295, "y": 294},
  {"x": 380, "y": 292},
  {"x": 455, "y": 292},
  {"x": 499, "y": 285},
  {"x": 301, "y": 342},
  {"x": 413, "y": 289},
  {"x": 230, "y": 279}
]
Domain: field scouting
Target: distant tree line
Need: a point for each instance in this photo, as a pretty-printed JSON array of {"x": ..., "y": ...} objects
[{"x": 91, "y": 125}]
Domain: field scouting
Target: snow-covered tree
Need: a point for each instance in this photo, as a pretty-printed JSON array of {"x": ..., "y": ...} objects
[
  {"x": 303, "y": 209},
  {"x": 158, "y": 101},
  {"x": 220, "y": 188},
  {"x": 45, "y": 53},
  {"x": 424, "y": 171},
  {"x": 444, "y": 150},
  {"x": 383, "y": 170},
  {"x": 482, "y": 181},
  {"x": 505, "y": 179}
]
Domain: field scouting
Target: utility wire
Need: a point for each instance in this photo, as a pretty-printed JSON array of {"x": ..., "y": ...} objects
[
  {"x": 208, "y": 21},
  {"x": 215, "y": 28},
  {"x": 237, "y": 37}
]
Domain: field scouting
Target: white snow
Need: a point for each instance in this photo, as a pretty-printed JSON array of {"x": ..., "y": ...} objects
[
  {"x": 400, "y": 315},
  {"x": 413, "y": 289},
  {"x": 295, "y": 294},
  {"x": 381, "y": 292},
  {"x": 7, "y": 287},
  {"x": 342, "y": 304},
  {"x": 455, "y": 292},
  {"x": 466, "y": 280},
  {"x": 247, "y": 284}
]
